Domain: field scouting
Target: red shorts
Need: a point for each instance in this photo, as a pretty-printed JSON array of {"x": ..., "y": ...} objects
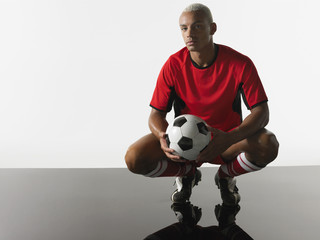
[{"x": 218, "y": 160}]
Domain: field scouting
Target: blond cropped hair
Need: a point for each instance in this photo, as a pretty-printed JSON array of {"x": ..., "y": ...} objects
[{"x": 199, "y": 7}]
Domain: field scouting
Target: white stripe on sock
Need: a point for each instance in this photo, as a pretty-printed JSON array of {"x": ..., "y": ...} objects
[
  {"x": 245, "y": 164},
  {"x": 155, "y": 170},
  {"x": 163, "y": 166},
  {"x": 234, "y": 172}
]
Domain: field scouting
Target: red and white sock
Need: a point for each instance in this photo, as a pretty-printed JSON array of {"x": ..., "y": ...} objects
[
  {"x": 168, "y": 168},
  {"x": 239, "y": 166}
]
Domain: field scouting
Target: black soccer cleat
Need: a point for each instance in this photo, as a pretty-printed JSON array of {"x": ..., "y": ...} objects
[
  {"x": 184, "y": 187},
  {"x": 229, "y": 192}
]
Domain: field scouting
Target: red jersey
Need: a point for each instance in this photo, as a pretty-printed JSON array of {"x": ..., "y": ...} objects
[{"x": 211, "y": 93}]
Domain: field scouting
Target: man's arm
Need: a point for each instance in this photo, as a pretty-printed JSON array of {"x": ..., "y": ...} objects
[
  {"x": 158, "y": 126},
  {"x": 256, "y": 120},
  {"x": 158, "y": 123}
]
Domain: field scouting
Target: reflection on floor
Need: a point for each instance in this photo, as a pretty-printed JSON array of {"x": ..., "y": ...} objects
[
  {"x": 114, "y": 204},
  {"x": 187, "y": 228}
]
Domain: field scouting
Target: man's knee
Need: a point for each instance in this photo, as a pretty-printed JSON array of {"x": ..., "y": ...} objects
[
  {"x": 268, "y": 147},
  {"x": 133, "y": 160},
  {"x": 130, "y": 159},
  {"x": 143, "y": 155},
  {"x": 262, "y": 148}
]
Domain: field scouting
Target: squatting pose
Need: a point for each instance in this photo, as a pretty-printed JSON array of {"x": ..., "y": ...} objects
[{"x": 207, "y": 80}]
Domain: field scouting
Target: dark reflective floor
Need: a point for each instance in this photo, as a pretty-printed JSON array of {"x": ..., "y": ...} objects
[{"x": 109, "y": 204}]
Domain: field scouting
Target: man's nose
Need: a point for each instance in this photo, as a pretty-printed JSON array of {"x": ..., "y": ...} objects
[{"x": 190, "y": 33}]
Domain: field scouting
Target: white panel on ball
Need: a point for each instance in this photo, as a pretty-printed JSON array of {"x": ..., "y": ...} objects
[
  {"x": 187, "y": 131},
  {"x": 174, "y": 134}
]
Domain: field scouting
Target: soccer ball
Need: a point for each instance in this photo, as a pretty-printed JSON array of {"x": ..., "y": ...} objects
[{"x": 187, "y": 135}]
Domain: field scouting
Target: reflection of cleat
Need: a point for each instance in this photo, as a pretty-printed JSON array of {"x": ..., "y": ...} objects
[
  {"x": 226, "y": 216},
  {"x": 187, "y": 214},
  {"x": 228, "y": 190},
  {"x": 184, "y": 187}
]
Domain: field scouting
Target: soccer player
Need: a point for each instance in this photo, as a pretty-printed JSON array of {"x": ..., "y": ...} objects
[{"x": 207, "y": 80}]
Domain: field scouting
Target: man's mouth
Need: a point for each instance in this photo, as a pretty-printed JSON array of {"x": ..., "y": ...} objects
[{"x": 190, "y": 43}]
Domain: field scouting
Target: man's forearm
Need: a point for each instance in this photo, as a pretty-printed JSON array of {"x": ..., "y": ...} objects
[
  {"x": 157, "y": 122},
  {"x": 256, "y": 120}
]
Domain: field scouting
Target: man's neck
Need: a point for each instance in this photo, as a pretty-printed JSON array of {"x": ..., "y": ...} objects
[{"x": 205, "y": 57}]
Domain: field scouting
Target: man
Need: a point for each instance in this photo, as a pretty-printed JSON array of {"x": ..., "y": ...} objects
[{"x": 206, "y": 79}]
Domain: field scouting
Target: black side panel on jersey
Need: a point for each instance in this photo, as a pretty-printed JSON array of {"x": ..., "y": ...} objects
[
  {"x": 177, "y": 102},
  {"x": 171, "y": 99},
  {"x": 236, "y": 106}
]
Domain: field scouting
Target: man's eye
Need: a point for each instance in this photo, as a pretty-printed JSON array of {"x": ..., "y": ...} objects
[{"x": 183, "y": 29}]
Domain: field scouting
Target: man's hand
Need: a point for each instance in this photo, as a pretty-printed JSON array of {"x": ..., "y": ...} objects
[
  {"x": 158, "y": 125},
  {"x": 220, "y": 142},
  {"x": 168, "y": 151}
]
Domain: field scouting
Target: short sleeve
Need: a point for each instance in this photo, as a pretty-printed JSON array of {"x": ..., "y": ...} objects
[
  {"x": 252, "y": 87},
  {"x": 162, "y": 98}
]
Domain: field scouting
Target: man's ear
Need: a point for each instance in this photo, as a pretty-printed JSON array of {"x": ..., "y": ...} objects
[{"x": 213, "y": 28}]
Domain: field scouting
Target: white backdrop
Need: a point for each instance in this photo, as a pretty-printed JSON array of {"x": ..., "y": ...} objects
[{"x": 76, "y": 77}]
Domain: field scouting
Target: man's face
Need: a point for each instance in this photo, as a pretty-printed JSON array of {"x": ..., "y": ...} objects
[{"x": 196, "y": 30}]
